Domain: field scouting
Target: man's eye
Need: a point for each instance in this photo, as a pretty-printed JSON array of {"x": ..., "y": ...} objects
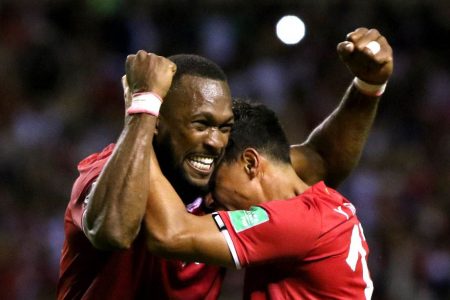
[
  {"x": 225, "y": 128},
  {"x": 200, "y": 125}
]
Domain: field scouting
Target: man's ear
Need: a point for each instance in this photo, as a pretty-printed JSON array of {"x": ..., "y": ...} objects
[{"x": 251, "y": 160}]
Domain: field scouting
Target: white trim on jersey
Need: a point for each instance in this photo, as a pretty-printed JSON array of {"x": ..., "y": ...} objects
[
  {"x": 223, "y": 229},
  {"x": 85, "y": 203}
]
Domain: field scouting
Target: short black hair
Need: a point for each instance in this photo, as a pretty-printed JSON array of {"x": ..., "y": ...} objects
[
  {"x": 192, "y": 64},
  {"x": 256, "y": 126}
]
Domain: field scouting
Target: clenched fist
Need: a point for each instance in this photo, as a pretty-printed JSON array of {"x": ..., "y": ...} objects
[
  {"x": 365, "y": 59},
  {"x": 148, "y": 72}
]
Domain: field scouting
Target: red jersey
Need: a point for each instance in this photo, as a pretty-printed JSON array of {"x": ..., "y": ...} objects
[
  {"x": 308, "y": 247},
  {"x": 89, "y": 273}
]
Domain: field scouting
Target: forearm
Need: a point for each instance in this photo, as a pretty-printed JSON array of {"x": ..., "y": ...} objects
[
  {"x": 117, "y": 203},
  {"x": 339, "y": 140},
  {"x": 166, "y": 214},
  {"x": 172, "y": 232},
  {"x": 335, "y": 146}
]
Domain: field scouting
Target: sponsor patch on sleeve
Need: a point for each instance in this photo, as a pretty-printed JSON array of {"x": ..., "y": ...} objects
[{"x": 245, "y": 219}]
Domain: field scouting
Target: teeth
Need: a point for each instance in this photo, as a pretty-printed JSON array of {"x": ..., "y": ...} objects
[
  {"x": 201, "y": 166},
  {"x": 201, "y": 162}
]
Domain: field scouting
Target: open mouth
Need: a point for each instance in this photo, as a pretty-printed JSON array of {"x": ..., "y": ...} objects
[{"x": 201, "y": 163}]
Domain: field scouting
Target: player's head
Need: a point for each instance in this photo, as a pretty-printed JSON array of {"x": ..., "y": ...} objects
[
  {"x": 194, "y": 124},
  {"x": 256, "y": 126},
  {"x": 257, "y": 137}
]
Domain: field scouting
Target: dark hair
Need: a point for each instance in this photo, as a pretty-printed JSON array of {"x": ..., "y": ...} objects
[
  {"x": 256, "y": 126},
  {"x": 191, "y": 64}
]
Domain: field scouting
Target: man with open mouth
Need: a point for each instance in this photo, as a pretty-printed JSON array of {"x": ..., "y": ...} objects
[{"x": 105, "y": 254}]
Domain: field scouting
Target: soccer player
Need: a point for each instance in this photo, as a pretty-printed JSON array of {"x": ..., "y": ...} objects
[
  {"x": 104, "y": 254},
  {"x": 305, "y": 244}
]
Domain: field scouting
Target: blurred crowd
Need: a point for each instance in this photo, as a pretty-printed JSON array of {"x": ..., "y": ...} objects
[{"x": 61, "y": 99}]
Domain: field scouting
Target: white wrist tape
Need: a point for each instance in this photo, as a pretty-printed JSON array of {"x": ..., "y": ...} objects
[
  {"x": 369, "y": 88},
  {"x": 147, "y": 103}
]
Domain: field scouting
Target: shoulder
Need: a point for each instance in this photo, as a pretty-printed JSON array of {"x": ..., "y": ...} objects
[
  {"x": 308, "y": 208},
  {"x": 89, "y": 169},
  {"x": 322, "y": 195},
  {"x": 95, "y": 158}
]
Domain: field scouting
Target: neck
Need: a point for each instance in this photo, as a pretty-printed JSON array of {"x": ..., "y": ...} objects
[
  {"x": 184, "y": 189},
  {"x": 187, "y": 191},
  {"x": 281, "y": 182}
]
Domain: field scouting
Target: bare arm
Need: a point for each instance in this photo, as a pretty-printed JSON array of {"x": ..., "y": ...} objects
[
  {"x": 172, "y": 232},
  {"x": 334, "y": 147},
  {"x": 117, "y": 202}
]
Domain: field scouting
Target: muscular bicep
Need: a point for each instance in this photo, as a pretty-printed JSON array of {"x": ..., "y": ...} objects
[
  {"x": 173, "y": 232},
  {"x": 196, "y": 238},
  {"x": 207, "y": 243},
  {"x": 308, "y": 164}
]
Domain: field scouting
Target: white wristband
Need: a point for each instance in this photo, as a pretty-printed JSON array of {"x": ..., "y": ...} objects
[
  {"x": 369, "y": 88},
  {"x": 148, "y": 103}
]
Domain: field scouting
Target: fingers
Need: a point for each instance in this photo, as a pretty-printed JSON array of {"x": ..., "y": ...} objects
[
  {"x": 124, "y": 83},
  {"x": 151, "y": 61},
  {"x": 128, "y": 66},
  {"x": 154, "y": 60},
  {"x": 173, "y": 67},
  {"x": 367, "y": 54},
  {"x": 125, "y": 86},
  {"x": 385, "y": 55},
  {"x": 148, "y": 72},
  {"x": 345, "y": 49},
  {"x": 126, "y": 93},
  {"x": 370, "y": 43}
]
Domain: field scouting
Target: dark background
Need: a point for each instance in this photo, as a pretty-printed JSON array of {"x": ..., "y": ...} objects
[{"x": 61, "y": 99}]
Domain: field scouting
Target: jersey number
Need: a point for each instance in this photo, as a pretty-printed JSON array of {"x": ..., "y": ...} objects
[{"x": 357, "y": 250}]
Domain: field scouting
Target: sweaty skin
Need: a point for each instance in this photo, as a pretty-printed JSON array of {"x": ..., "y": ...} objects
[
  {"x": 193, "y": 131},
  {"x": 332, "y": 150},
  {"x": 118, "y": 199},
  {"x": 172, "y": 232}
]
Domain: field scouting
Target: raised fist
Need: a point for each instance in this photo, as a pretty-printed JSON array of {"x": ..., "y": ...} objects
[
  {"x": 367, "y": 55},
  {"x": 148, "y": 72}
]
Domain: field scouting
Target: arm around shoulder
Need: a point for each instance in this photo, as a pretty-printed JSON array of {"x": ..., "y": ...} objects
[{"x": 172, "y": 232}]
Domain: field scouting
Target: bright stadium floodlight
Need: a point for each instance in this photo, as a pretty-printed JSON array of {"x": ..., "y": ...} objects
[{"x": 290, "y": 30}]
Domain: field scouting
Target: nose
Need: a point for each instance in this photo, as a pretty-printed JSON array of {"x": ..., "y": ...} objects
[
  {"x": 211, "y": 204},
  {"x": 216, "y": 139}
]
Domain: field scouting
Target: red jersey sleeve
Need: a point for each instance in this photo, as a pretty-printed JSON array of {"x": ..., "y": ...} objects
[
  {"x": 89, "y": 169},
  {"x": 275, "y": 230}
]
